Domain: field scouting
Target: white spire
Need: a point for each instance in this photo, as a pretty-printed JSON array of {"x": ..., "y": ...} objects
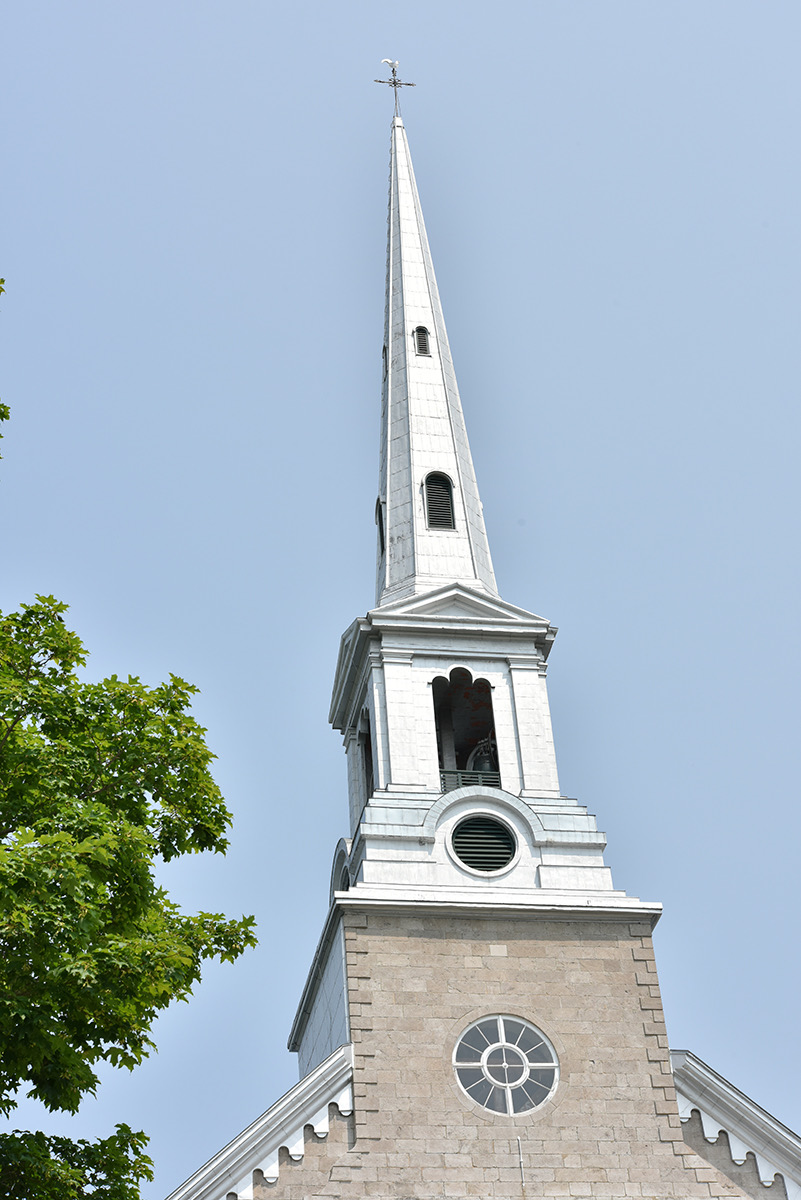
[{"x": 422, "y": 425}]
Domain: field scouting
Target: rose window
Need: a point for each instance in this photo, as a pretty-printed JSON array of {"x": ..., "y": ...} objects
[{"x": 506, "y": 1065}]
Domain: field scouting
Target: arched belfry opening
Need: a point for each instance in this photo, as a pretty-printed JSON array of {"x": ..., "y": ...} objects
[{"x": 465, "y": 731}]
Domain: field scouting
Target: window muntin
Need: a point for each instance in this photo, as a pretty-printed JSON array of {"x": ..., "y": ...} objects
[
  {"x": 422, "y": 342},
  {"x": 439, "y": 501},
  {"x": 506, "y": 1065}
]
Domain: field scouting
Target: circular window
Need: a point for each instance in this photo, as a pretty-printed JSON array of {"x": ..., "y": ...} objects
[
  {"x": 483, "y": 844},
  {"x": 506, "y": 1065}
]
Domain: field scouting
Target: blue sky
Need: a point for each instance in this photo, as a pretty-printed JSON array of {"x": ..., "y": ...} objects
[{"x": 194, "y": 218}]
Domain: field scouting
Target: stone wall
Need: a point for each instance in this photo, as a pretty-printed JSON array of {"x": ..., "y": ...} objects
[{"x": 612, "y": 1129}]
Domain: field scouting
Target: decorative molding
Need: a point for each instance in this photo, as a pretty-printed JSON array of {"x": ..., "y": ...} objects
[
  {"x": 341, "y": 855},
  {"x": 491, "y": 798},
  {"x": 257, "y": 1147},
  {"x": 568, "y": 906},
  {"x": 480, "y": 614},
  {"x": 475, "y": 601},
  {"x": 749, "y": 1128}
]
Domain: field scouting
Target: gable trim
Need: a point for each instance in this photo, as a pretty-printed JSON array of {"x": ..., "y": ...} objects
[
  {"x": 257, "y": 1147},
  {"x": 749, "y": 1128}
]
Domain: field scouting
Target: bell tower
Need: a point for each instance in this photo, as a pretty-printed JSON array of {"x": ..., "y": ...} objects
[
  {"x": 482, "y": 1016},
  {"x": 493, "y": 991},
  {"x": 440, "y": 691}
]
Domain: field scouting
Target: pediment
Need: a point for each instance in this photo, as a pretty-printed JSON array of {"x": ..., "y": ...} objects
[{"x": 458, "y": 603}]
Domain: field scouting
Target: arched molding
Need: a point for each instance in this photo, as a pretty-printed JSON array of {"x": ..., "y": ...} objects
[
  {"x": 340, "y": 863},
  {"x": 447, "y": 672},
  {"x": 487, "y": 800}
]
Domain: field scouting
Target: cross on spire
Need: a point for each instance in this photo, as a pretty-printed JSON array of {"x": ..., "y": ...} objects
[{"x": 394, "y": 82}]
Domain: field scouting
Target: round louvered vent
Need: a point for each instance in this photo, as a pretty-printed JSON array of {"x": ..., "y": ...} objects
[{"x": 483, "y": 843}]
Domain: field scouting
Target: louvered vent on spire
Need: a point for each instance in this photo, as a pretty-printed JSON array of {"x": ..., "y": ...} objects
[{"x": 439, "y": 502}]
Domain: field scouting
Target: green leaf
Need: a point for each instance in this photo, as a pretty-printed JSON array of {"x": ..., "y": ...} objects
[{"x": 97, "y": 782}]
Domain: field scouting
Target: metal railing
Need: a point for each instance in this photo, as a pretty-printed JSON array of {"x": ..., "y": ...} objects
[{"x": 450, "y": 780}]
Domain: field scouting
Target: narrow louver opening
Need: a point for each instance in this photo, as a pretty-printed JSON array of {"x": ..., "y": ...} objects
[
  {"x": 379, "y": 520},
  {"x": 421, "y": 340},
  {"x": 439, "y": 502},
  {"x": 483, "y": 843}
]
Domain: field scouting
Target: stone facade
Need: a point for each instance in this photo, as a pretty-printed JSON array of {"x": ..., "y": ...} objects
[{"x": 418, "y": 978}]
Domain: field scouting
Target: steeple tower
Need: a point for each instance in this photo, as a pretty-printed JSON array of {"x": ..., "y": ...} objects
[
  {"x": 430, "y": 523},
  {"x": 440, "y": 691},
  {"x": 482, "y": 1015}
]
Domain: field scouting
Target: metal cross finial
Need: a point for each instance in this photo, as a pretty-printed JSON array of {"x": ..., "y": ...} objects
[{"x": 394, "y": 82}]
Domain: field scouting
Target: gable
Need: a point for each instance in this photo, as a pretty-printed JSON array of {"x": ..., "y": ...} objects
[
  {"x": 282, "y": 1127},
  {"x": 457, "y": 601}
]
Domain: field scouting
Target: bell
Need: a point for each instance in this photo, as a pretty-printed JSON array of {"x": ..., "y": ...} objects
[{"x": 483, "y": 761}]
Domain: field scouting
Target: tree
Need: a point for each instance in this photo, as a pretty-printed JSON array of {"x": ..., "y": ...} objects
[{"x": 97, "y": 782}]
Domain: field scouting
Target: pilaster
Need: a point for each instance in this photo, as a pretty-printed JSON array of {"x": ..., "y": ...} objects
[{"x": 537, "y": 753}]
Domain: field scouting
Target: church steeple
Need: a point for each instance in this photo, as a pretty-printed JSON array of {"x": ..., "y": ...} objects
[
  {"x": 482, "y": 1014},
  {"x": 430, "y": 522}
]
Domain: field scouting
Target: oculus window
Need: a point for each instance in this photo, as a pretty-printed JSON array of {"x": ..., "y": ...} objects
[{"x": 506, "y": 1065}]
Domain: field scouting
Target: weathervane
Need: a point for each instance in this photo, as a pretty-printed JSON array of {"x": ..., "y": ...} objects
[{"x": 394, "y": 82}]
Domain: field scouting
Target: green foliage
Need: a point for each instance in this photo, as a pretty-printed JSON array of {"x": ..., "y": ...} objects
[
  {"x": 97, "y": 781},
  {"x": 35, "y": 1167}
]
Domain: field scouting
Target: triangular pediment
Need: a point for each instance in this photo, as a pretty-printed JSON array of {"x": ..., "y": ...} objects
[{"x": 458, "y": 602}]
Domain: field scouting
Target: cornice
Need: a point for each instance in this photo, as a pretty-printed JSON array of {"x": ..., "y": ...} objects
[{"x": 561, "y": 906}]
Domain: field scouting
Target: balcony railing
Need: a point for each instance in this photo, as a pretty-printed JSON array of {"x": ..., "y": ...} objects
[{"x": 450, "y": 780}]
